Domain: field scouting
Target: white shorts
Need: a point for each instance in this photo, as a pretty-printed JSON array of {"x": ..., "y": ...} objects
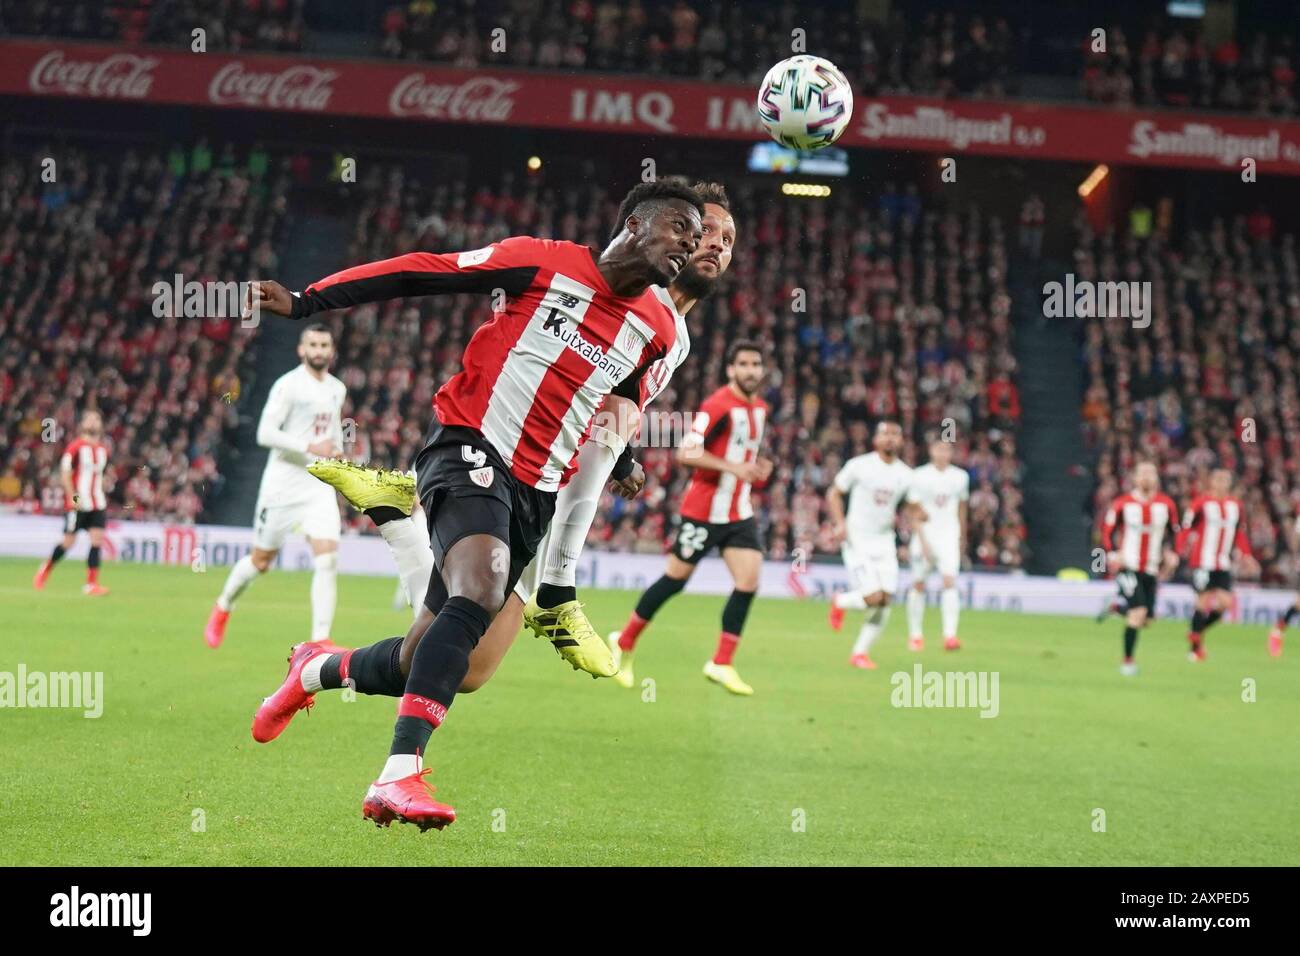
[
  {"x": 316, "y": 517},
  {"x": 945, "y": 556},
  {"x": 873, "y": 568}
]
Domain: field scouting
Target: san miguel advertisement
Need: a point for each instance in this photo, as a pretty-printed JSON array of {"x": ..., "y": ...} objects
[{"x": 646, "y": 106}]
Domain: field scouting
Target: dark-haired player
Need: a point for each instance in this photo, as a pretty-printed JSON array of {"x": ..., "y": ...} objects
[
  {"x": 722, "y": 448},
  {"x": 876, "y": 484},
  {"x": 600, "y": 460},
  {"x": 81, "y": 470},
  {"x": 1213, "y": 526},
  {"x": 302, "y": 419},
  {"x": 503, "y": 440},
  {"x": 1142, "y": 517}
]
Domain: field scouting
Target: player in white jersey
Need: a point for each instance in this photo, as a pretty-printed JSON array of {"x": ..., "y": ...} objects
[
  {"x": 942, "y": 490},
  {"x": 300, "y": 422},
  {"x": 876, "y": 485}
]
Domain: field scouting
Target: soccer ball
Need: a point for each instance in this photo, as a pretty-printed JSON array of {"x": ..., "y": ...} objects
[{"x": 805, "y": 102}]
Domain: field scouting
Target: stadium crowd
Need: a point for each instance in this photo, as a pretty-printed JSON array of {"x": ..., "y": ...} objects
[
  {"x": 1212, "y": 381},
  {"x": 872, "y": 309},
  {"x": 81, "y": 323},
  {"x": 1175, "y": 66}
]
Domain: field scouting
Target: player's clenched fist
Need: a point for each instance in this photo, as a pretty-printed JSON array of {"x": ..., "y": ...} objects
[
  {"x": 630, "y": 486},
  {"x": 269, "y": 295}
]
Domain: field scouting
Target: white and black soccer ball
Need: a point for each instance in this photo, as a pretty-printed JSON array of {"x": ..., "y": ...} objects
[{"x": 805, "y": 102}]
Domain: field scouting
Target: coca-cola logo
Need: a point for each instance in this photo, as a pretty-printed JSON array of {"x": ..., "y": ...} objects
[
  {"x": 482, "y": 99},
  {"x": 119, "y": 75},
  {"x": 294, "y": 88}
]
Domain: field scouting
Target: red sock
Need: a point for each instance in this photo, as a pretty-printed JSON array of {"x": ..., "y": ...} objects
[
  {"x": 726, "y": 647},
  {"x": 92, "y": 575},
  {"x": 1195, "y": 639},
  {"x": 631, "y": 631}
]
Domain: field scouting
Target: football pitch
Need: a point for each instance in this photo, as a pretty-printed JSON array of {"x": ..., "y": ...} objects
[{"x": 1185, "y": 764}]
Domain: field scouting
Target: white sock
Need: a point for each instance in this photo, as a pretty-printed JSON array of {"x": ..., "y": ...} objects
[
  {"x": 310, "y": 675},
  {"x": 850, "y": 600},
  {"x": 915, "y": 612},
  {"x": 240, "y": 577},
  {"x": 871, "y": 628},
  {"x": 950, "y": 609},
  {"x": 575, "y": 506},
  {"x": 324, "y": 594},
  {"x": 399, "y": 766},
  {"x": 409, "y": 542}
]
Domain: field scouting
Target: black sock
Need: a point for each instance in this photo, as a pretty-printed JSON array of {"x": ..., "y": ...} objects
[
  {"x": 1289, "y": 616},
  {"x": 735, "y": 611},
  {"x": 439, "y": 667},
  {"x": 376, "y": 669},
  {"x": 92, "y": 559},
  {"x": 656, "y": 594},
  {"x": 1198, "y": 621},
  {"x": 1213, "y": 618},
  {"x": 383, "y": 514},
  {"x": 1130, "y": 641},
  {"x": 58, "y": 554},
  {"x": 553, "y": 595}
]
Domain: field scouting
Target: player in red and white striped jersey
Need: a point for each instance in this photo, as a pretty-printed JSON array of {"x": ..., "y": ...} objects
[
  {"x": 723, "y": 449},
  {"x": 85, "y": 505},
  {"x": 1213, "y": 526},
  {"x": 1140, "y": 555},
  {"x": 504, "y": 438}
]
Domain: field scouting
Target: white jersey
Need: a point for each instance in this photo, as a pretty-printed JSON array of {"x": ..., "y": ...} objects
[
  {"x": 875, "y": 490},
  {"x": 940, "y": 494},
  {"x": 300, "y": 411}
]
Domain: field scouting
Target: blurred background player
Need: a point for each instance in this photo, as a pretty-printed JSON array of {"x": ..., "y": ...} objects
[
  {"x": 85, "y": 506},
  {"x": 1143, "y": 516},
  {"x": 876, "y": 484},
  {"x": 1287, "y": 616},
  {"x": 722, "y": 449},
  {"x": 1214, "y": 525},
  {"x": 938, "y": 542},
  {"x": 302, "y": 419}
]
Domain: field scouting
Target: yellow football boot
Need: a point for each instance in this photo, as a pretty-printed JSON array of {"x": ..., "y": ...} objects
[
  {"x": 367, "y": 487},
  {"x": 572, "y": 636}
]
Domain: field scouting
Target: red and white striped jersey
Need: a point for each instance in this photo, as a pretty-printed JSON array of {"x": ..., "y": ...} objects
[
  {"x": 85, "y": 461},
  {"x": 1142, "y": 525},
  {"x": 1215, "y": 526},
  {"x": 731, "y": 428},
  {"x": 534, "y": 375}
]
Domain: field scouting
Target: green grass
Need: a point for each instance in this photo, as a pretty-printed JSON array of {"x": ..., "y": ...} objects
[{"x": 583, "y": 772}]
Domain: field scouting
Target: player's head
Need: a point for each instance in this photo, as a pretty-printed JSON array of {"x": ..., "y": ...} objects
[
  {"x": 92, "y": 425},
  {"x": 745, "y": 366},
  {"x": 941, "y": 453},
  {"x": 659, "y": 227},
  {"x": 1221, "y": 482},
  {"x": 316, "y": 347},
  {"x": 699, "y": 277},
  {"x": 1146, "y": 478},
  {"x": 888, "y": 438}
]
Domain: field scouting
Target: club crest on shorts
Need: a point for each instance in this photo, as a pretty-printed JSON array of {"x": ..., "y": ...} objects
[{"x": 481, "y": 476}]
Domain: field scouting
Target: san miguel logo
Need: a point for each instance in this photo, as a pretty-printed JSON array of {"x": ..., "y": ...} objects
[
  {"x": 482, "y": 99},
  {"x": 118, "y": 76},
  {"x": 307, "y": 88}
]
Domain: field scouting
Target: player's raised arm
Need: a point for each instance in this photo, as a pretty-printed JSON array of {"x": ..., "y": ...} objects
[{"x": 508, "y": 265}]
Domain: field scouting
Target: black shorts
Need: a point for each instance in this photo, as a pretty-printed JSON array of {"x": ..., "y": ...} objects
[
  {"x": 1206, "y": 580},
  {"x": 75, "y": 521},
  {"x": 1138, "y": 589},
  {"x": 695, "y": 539},
  {"x": 466, "y": 488}
]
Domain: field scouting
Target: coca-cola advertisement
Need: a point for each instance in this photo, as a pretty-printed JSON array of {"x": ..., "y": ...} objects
[{"x": 644, "y": 106}]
